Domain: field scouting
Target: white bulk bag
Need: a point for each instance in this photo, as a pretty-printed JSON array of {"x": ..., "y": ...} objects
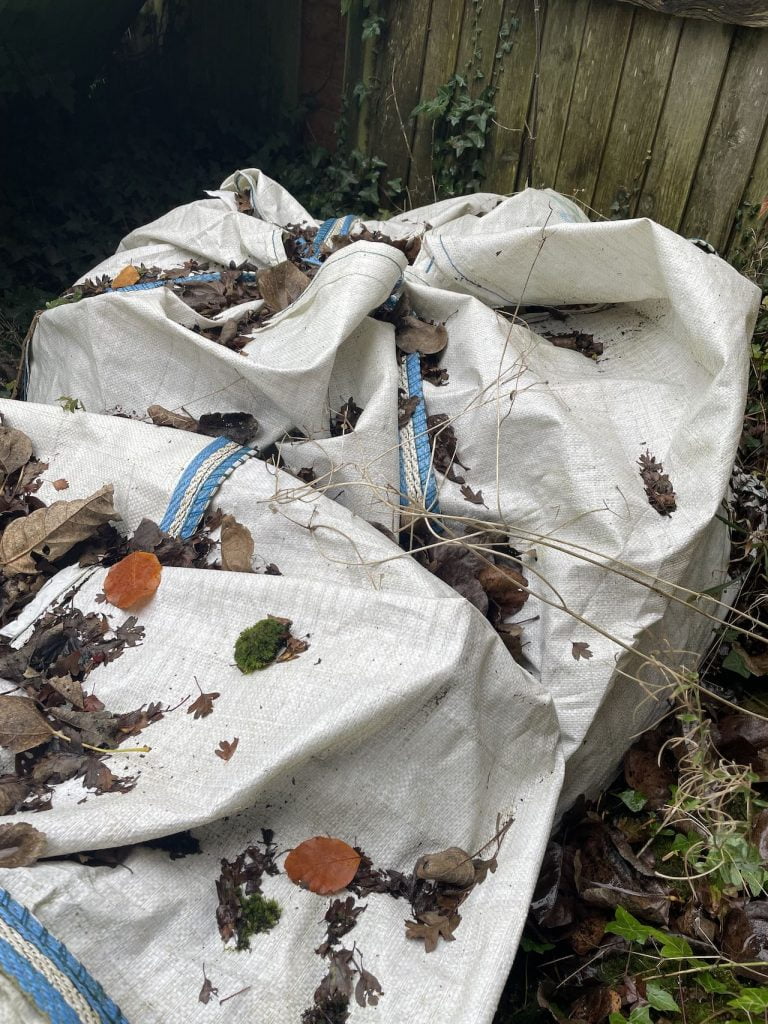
[{"x": 406, "y": 727}]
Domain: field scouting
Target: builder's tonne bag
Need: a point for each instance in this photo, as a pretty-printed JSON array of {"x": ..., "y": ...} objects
[{"x": 397, "y": 723}]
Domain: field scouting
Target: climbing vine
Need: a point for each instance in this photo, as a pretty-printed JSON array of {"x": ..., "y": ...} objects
[{"x": 463, "y": 116}]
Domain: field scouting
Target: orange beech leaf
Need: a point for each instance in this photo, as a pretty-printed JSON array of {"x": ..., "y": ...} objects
[
  {"x": 322, "y": 865},
  {"x": 128, "y": 275},
  {"x": 134, "y": 578}
]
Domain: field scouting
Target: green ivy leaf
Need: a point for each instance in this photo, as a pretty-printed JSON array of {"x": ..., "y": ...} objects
[
  {"x": 628, "y": 927},
  {"x": 673, "y": 947},
  {"x": 751, "y": 1000},
  {"x": 710, "y": 983},
  {"x": 531, "y": 946},
  {"x": 734, "y": 663},
  {"x": 659, "y": 998},
  {"x": 633, "y": 800},
  {"x": 640, "y": 1015}
]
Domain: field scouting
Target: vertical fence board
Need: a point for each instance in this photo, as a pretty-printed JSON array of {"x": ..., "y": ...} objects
[
  {"x": 594, "y": 92},
  {"x": 733, "y": 140},
  {"x": 644, "y": 81},
  {"x": 693, "y": 90},
  {"x": 439, "y": 65},
  {"x": 478, "y": 41},
  {"x": 513, "y": 98},
  {"x": 399, "y": 71},
  {"x": 561, "y": 45},
  {"x": 748, "y": 220}
]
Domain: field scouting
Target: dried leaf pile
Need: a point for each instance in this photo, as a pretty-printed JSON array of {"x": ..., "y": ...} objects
[{"x": 652, "y": 904}]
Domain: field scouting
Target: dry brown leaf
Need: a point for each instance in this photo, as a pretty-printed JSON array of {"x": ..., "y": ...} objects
[
  {"x": 51, "y": 532},
  {"x": 60, "y": 485},
  {"x": 505, "y": 587},
  {"x": 322, "y": 864},
  {"x": 281, "y": 285},
  {"x": 227, "y": 748},
  {"x": 414, "y": 335},
  {"x": 69, "y": 688},
  {"x": 203, "y": 705},
  {"x": 476, "y": 497},
  {"x": 133, "y": 579},
  {"x": 432, "y": 926},
  {"x": 15, "y": 449},
  {"x": 165, "y": 418},
  {"x": 20, "y": 845},
  {"x": 579, "y": 649},
  {"x": 236, "y": 546},
  {"x": 453, "y": 866},
  {"x": 22, "y": 727},
  {"x": 127, "y": 276}
]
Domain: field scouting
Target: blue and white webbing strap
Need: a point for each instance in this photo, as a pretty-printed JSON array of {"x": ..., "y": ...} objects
[
  {"x": 45, "y": 970},
  {"x": 145, "y": 286},
  {"x": 204, "y": 475},
  {"x": 417, "y": 479}
]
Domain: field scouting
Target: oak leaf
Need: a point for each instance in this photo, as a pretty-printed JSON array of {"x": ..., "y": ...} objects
[
  {"x": 432, "y": 926},
  {"x": 50, "y": 532},
  {"x": 134, "y": 578},
  {"x": 323, "y": 865},
  {"x": 127, "y": 276},
  {"x": 226, "y": 749}
]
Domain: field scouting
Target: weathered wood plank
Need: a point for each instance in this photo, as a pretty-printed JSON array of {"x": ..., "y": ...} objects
[
  {"x": 753, "y": 13},
  {"x": 732, "y": 142},
  {"x": 594, "y": 91},
  {"x": 399, "y": 70},
  {"x": 505, "y": 142},
  {"x": 742, "y": 243},
  {"x": 478, "y": 41},
  {"x": 561, "y": 45},
  {"x": 643, "y": 86},
  {"x": 439, "y": 65},
  {"x": 693, "y": 89}
]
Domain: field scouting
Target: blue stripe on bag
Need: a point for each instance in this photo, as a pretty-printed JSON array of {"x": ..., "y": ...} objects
[
  {"x": 54, "y": 963},
  {"x": 421, "y": 437}
]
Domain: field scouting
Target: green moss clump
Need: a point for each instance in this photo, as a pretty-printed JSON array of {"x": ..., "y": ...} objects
[
  {"x": 258, "y": 646},
  {"x": 257, "y": 914}
]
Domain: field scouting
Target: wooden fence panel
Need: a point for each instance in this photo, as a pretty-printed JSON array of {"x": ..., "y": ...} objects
[
  {"x": 439, "y": 65},
  {"x": 399, "y": 75},
  {"x": 732, "y": 141},
  {"x": 513, "y": 98},
  {"x": 594, "y": 93},
  {"x": 639, "y": 113},
  {"x": 693, "y": 90},
  {"x": 561, "y": 48},
  {"x": 747, "y": 221},
  {"x": 644, "y": 81}
]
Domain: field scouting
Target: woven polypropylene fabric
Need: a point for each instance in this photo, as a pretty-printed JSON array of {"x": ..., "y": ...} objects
[
  {"x": 551, "y": 442},
  {"x": 47, "y": 973},
  {"x": 417, "y": 738}
]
